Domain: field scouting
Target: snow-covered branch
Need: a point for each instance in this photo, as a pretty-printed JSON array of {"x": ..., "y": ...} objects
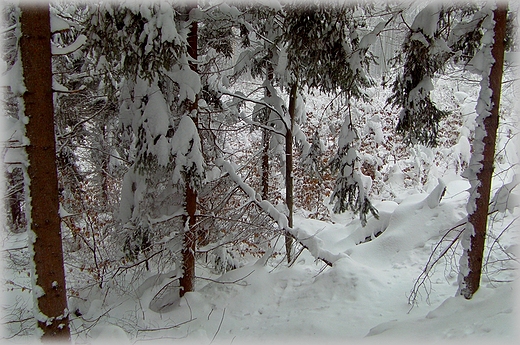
[
  {"x": 308, "y": 241},
  {"x": 77, "y": 44},
  {"x": 268, "y": 106}
]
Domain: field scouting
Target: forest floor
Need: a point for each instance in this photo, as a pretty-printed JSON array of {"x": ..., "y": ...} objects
[{"x": 362, "y": 297}]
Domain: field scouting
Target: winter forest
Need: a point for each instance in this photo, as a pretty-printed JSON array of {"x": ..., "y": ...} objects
[{"x": 272, "y": 171}]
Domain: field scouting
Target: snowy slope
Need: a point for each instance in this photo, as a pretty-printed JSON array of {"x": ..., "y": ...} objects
[{"x": 364, "y": 296}]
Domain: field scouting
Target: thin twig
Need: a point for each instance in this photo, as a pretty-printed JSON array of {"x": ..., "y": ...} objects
[
  {"x": 137, "y": 263},
  {"x": 219, "y": 325},
  {"x": 165, "y": 328},
  {"x": 420, "y": 281},
  {"x": 228, "y": 282}
]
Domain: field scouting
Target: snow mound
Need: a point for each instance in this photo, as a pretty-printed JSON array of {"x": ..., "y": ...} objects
[{"x": 486, "y": 315}]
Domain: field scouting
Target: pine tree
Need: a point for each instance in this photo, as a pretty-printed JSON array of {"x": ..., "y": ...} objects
[
  {"x": 158, "y": 113},
  {"x": 424, "y": 56},
  {"x": 311, "y": 47},
  {"x": 439, "y": 34},
  {"x": 349, "y": 192},
  {"x": 187, "y": 281},
  {"x": 467, "y": 36},
  {"x": 325, "y": 51}
]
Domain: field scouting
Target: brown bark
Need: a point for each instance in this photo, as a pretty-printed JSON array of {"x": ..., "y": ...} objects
[
  {"x": 187, "y": 281},
  {"x": 265, "y": 164},
  {"x": 289, "y": 188},
  {"x": 44, "y": 205},
  {"x": 479, "y": 217}
]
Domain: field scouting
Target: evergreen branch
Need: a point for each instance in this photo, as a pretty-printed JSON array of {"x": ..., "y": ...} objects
[{"x": 268, "y": 106}]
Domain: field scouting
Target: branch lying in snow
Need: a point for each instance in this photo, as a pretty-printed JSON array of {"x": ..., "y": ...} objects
[
  {"x": 308, "y": 241},
  {"x": 165, "y": 328},
  {"x": 495, "y": 241},
  {"x": 124, "y": 268}
]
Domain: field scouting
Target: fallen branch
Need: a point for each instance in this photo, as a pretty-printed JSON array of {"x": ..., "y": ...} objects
[{"x": 165, "y": 328}]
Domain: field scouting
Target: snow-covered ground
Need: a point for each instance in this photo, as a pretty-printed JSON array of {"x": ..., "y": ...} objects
[{"x": 363, "y": 296}]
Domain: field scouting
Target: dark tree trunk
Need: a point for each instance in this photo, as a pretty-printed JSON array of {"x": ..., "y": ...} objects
[
  {"x": 50, "y": 292},
  {"x": 15, "y": 199},
  {"x": 187, "y": 281},
  {"x": 266, "y": 138},
  {"x": 266, "y": 135},
  {"x": 478, "y": 219},
  {"x": 289, "y": 188}
]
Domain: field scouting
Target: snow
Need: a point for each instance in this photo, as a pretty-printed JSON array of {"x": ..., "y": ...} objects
[
  {"x": 186, "y": 147},
  {"x": 188, "y": 81},
  {"x": 363, "y": 296},
  {"x": 156, "y": 112},
  {"x": 78, "y": 43},
  {"x": 506, "y": 197},
  {"x": 426, "y": 20},
  {"x": 13, "y": 79},
  {"x": 165, "y": 22},
  {"x": 58, "y": 24},
  {"x": 454, "y": 319}
]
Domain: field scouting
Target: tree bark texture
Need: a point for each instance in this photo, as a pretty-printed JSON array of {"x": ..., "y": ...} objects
[
  {"x": 187, "y": 281},
  {"x": 289, "y": 187},
  {"x": 51, "y": 309},
  {"x": 478, "y": 219}
]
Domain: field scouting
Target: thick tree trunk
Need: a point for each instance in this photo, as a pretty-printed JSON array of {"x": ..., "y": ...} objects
[
  {"x": 478, "y": 219},
  {"x": 43, "y": 212},
  {"x": 289, "y": 188},
  {"x": 187, "y": 281}
]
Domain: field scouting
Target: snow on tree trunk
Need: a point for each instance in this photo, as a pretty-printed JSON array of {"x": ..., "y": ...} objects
[
  {"x": 48, "y": 276},
  {"x": 289, "y": 187},
  {"x": 489, "y": 63}
]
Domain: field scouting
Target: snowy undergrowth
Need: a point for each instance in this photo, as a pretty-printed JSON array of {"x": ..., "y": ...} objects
[{"x": 362, "y": 296}]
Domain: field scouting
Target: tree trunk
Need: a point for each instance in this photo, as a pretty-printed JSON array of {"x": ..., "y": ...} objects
[
  {"x": 187, "y": 281},
  {"x": 266, "y": 138},
  {"x": 478, "y": 218},
  {"x": 15, "y": 199},
  {"x": 289, "y": 188},
  {"x": 49, "y": 289},
  {"x": 265, "y": 163}
]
